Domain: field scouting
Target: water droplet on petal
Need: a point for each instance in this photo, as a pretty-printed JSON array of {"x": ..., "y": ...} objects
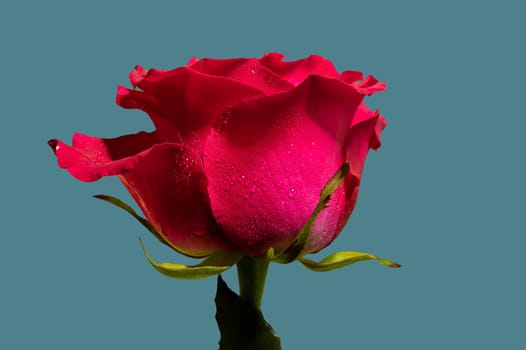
[{"x": 200, "y": 233}]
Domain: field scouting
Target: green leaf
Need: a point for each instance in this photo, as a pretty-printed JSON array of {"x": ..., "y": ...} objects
[
  {"x": 341, "y": 259},
  {"x": 295, "y": 249},
  {"x": 214, "y": 264},
  {"x": 118, "y": 203},
  {"x": 241, "y": 324}
]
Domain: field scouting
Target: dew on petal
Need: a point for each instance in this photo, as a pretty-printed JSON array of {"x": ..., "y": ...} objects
[
  {"x": 200, "y": 233},
  {"x": 221, "y": 123}
]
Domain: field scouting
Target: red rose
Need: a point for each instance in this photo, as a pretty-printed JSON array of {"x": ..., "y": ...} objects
[{"x": 241, "y": 150}]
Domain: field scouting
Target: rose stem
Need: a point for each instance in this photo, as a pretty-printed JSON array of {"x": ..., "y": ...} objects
[{"x": 251, "y": 274}]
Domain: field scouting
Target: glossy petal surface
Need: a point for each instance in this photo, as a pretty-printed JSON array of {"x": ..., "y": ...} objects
[
  {"x": 166, "y": 181},
  {"x": 241, "y": 151},
  {"x": 268, "y": 160}
]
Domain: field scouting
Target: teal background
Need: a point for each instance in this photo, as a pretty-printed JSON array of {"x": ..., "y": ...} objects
[{"x": 444, "y": 196}]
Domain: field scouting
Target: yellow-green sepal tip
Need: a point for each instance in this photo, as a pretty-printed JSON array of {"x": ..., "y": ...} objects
[
  {"x": 341, "y": 259},
  {"x": 214, "y": 264}
]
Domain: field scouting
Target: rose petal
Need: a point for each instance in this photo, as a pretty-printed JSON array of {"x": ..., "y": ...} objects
[
  {"x": 90, "y": 158},
  {"x": 380, "y": 126},
  {"x": 364, "y": 134},
  {"x": 369, "y": 85},
  {"x": 296, "y": 71},
  {"x": 184, "y": 103},
  {"x": 363, "y": 114},
  {"x": 268, "y": 159},
  {"x": 248, "y": 71},
  {"x": 191, "y": 61},
  {"x": 350, "y": 76},
  {"x": 166, "y": 181},
  {"x": 135, "y": 99},
  {"x": 137, "y": 75},
  {"x": 170, "y": 187}
]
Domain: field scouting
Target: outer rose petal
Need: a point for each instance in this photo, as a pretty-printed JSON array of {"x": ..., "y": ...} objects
[
  {"x": 296, "y": 71},
  {"x": 364, "y": 134},
  {"x": 169, "y": 185},
  {"x": 350, "y": 76},
  {"x": 248, "y": 71},
  {"x": 165, "y": 180},
  {"x": 137, "y": 75},
  {"x": 90, "y": 158},
  {"x": 369, "y": 85},
  {"x": 363, "y": 114},
  {"x": 268, "y": 159},
  {"x": 184, "y": 103}
]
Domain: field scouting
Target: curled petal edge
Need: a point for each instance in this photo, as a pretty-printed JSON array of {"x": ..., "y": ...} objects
[{"x": 369, "y": 85}]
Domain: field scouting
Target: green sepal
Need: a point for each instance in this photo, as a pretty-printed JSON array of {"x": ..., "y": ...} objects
[
  {"x": 214, "y": 264},
  {"x": 341, "y": 259},
  {"x": 296, "y": 248},
  {"x": 118, "y": 203}
]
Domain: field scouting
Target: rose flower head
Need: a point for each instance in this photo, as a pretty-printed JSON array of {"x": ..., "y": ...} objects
[{"x": 241, "y": 150}]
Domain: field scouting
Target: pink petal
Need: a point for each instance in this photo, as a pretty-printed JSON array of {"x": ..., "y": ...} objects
[
  {"x": 363, "y": 135},
  {"x": 268, "y": 160},
  {"x": 166, "y": 180},
  {"x": 183, "y": 103},
  {"x": 363, "y": 114},
  {"x": 248, "y": 71},
  {"x": 191, "y": 61},
  {"x": 369, "y": 85},
  {"x": 137, "y": 75},
  {"x": 90, "y": 158},
  {"x": 350, "y": 76},
  {"x": 296, "y": 71},
  {"x": 169, "y": 185}
]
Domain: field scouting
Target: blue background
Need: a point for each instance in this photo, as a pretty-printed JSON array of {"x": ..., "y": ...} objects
[{"x": 444, "y": 196}]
